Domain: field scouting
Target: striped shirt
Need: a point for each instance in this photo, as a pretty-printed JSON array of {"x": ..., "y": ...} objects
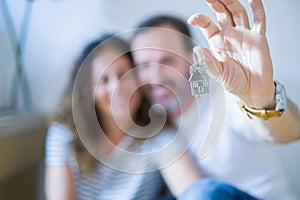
[{"x": 107, "y": 183}]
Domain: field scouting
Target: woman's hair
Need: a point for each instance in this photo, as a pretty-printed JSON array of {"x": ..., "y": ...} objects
[{"x": 78, "y": 95}]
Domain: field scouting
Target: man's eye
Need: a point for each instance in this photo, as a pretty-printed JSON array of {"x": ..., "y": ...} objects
[{"x": 167, "y": 60}]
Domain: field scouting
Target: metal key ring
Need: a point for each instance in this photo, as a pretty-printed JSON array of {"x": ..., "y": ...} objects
[{"x": 196, "y": 58}]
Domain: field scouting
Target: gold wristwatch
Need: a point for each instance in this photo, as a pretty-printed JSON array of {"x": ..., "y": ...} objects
[{"x": 281, "y": 105}]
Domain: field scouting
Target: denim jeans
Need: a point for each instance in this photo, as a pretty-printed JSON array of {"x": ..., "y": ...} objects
[{"x": 211, "y": 189}]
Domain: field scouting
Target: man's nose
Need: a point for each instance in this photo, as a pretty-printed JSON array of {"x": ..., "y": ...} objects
[{"x": 154, "y": 73}]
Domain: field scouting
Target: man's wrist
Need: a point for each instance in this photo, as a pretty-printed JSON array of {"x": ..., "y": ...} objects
[
  {"x": 269, "y": 110},
  {"x": 266, "y": 101}
]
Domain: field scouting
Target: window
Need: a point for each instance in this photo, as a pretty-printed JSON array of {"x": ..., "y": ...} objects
[{"x": 14, "y": 90}]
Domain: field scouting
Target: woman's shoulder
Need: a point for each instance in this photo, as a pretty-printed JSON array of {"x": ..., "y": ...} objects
[
  {"x": 59, "y": 131},
  {"x": 58, "y": 141}
]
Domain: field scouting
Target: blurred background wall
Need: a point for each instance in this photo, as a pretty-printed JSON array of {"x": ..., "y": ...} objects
[{"x": 59, "y": 29}]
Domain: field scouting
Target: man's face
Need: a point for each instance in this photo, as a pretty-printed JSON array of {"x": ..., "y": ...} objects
[{"x": 163, "y": 65}]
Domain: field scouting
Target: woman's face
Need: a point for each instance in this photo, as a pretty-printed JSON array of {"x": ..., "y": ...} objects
[{"x": 115, "y": 91}]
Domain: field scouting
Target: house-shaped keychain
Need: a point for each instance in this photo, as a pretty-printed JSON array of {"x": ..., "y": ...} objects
[{"x": 199, "y": 79}]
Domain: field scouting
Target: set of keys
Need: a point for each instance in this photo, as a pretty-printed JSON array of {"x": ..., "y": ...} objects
[{"x": 199, "y": 79}]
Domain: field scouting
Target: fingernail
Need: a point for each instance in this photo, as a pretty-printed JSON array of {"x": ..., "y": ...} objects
[{"x": 191, "y": 18}]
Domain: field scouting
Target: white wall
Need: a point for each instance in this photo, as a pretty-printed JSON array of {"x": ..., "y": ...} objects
[{"x": 59, "y": 29}]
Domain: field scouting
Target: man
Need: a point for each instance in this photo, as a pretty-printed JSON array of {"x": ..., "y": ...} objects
[{"x": 242, "y": 64}]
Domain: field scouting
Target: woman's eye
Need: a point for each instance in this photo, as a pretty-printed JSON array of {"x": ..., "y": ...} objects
[{"x": 103, "y": 80}]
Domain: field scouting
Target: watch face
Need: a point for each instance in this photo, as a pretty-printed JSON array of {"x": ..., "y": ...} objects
[{"x": 281, "y": 97}]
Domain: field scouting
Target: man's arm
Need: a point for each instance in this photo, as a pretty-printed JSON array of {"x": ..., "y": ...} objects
[
  {"x": 287, "y": 127},
  {"x": 242, "y": 62},
  {"x": 181, "y": 174}
]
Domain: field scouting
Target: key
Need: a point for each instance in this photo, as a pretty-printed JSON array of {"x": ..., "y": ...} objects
[{"x": 199, "y": 79}]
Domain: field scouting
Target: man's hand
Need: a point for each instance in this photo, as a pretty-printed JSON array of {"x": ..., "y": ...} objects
[{"x": 241, "y": 61}]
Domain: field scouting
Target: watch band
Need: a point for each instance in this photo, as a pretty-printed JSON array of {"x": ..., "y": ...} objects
[
  {"x": 281, "y": 105},
  {"x": 264, "y": 114}
]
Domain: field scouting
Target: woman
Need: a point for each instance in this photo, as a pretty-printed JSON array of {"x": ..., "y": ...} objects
[{"x": 103, "y": 143}]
